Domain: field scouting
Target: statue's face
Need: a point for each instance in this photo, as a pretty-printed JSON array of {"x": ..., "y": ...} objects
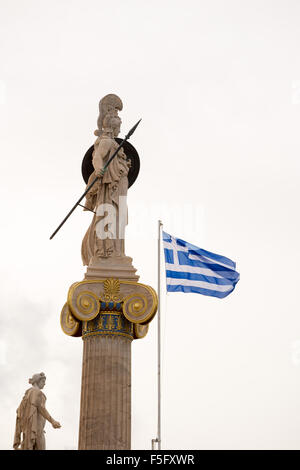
[
  {"x": 116, "y": 126},
  {"x": 41, "y": 383}
]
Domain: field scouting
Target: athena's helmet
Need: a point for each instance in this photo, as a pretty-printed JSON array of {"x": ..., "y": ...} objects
[{"x": 110, "y": 104}]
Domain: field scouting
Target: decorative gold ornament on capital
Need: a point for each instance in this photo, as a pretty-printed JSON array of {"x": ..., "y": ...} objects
[{"x": 111, "y": 290}]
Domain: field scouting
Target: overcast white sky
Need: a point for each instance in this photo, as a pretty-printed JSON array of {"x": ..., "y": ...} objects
[{"x": 217, "y": 84}]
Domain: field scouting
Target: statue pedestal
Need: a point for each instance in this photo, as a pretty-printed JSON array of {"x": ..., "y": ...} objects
[{"x": 115, "y": 267}]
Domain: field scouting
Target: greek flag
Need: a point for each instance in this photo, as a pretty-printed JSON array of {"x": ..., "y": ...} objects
[{"x": 192, "y": 269}]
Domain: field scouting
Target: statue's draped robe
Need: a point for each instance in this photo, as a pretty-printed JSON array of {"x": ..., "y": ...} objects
[
  {"x": 108, "y": 190},
  {"x": 31, "y": 418}
]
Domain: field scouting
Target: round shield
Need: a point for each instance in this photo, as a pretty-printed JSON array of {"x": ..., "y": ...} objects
[{"x": 131, "y": 154}]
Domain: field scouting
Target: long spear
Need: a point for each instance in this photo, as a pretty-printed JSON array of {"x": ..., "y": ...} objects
[{"x": 127, "y": 137}]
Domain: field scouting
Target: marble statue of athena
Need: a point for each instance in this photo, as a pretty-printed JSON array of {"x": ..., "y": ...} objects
[{"x": 105, "y": 236}]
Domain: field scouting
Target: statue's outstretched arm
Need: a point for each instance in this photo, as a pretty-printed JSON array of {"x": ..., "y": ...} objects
[{"x": 46, "y": 415}]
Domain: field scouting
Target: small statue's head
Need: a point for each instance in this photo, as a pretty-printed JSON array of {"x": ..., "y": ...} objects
[{"x": 38, "y": 380}]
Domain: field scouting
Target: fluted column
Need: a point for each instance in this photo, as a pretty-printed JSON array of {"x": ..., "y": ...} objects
[
  {"x": 105, "y": 410},
  {"x": 108, "y": 314},
  {"x": 105, "y": 414}
]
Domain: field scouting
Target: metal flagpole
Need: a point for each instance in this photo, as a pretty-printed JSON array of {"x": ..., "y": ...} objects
[
  {"x": 158, "y": 344},
  {"x": 158, "y": 438}
]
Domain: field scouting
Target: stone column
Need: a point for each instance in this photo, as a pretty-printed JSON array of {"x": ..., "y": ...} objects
[
  {"x": 105, "y": 411},
  {"x": 108, "y": 314}
]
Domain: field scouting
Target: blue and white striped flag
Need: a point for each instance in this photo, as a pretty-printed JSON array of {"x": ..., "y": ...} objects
[{"x": 192, "y": 269}]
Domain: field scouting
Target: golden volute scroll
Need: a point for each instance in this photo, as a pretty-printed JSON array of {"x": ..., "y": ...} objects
[
  {"x": 70, "y": 325},
  {"x": 140, "y": 331},
  {"x": 83, "y": 303},
  {"x": 140, "y": 307}
]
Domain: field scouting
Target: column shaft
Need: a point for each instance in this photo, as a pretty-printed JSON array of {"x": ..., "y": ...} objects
[{"x": 105, "y": 411}]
